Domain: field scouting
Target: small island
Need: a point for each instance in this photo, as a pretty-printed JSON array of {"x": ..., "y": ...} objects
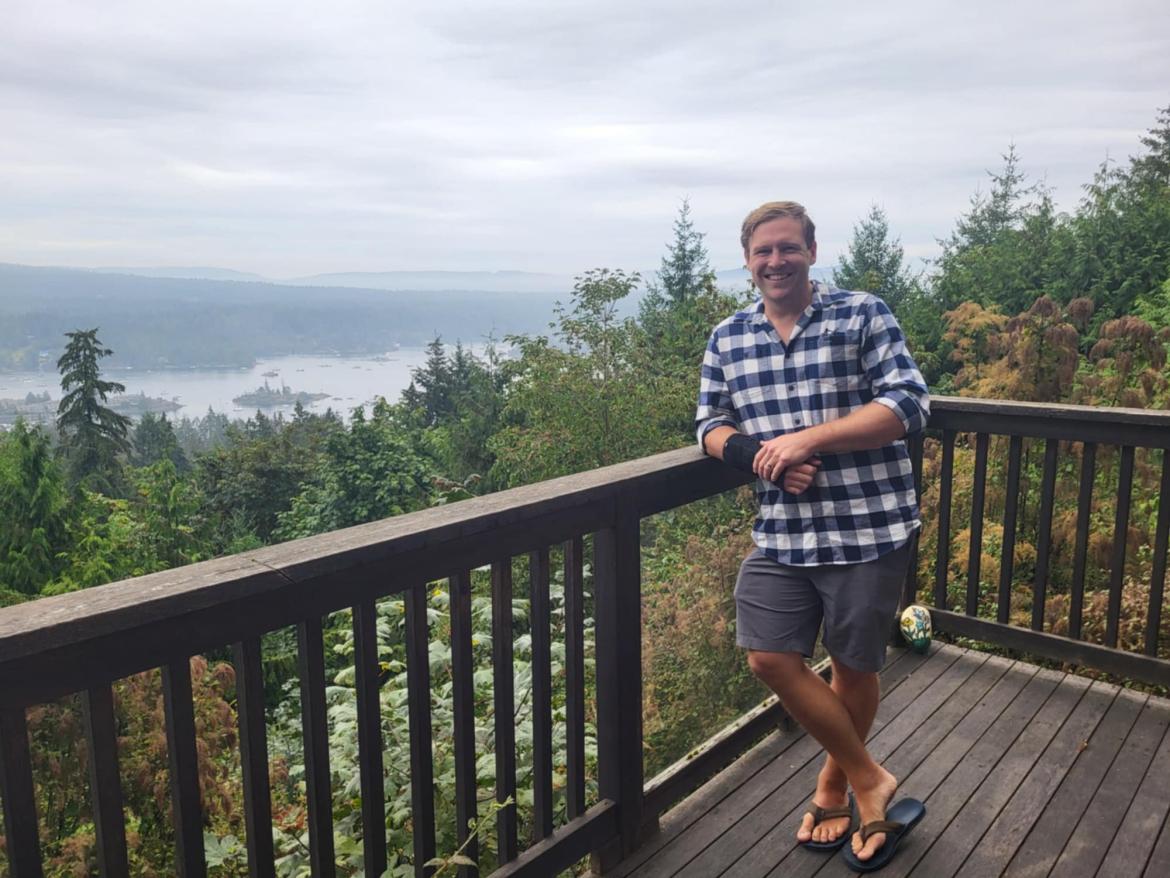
[
  {"x": 41, "y": 408},
  {"x": 266, "y": 397}
]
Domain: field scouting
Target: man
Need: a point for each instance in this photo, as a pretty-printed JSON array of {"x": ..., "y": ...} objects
[{"x": 812, "y": 389}]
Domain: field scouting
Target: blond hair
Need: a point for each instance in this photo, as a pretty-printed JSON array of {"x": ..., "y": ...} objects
[{"x": 776, "y": 210}]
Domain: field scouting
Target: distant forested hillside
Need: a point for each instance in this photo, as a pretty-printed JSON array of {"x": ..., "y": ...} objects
[{"x": 183, "y": 322}]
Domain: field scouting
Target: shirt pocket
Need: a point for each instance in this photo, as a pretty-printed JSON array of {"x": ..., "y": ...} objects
[
  {"x": 838, "y": 352},
  {"x": 837, "y": 396},
  {"x": 840, "y": 386}
]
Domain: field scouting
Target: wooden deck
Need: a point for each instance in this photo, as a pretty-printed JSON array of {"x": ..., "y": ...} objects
[{"x": 1024, "y": 771}]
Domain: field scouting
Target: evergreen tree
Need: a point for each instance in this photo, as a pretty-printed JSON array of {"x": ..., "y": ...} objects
[
  {"x": 154, "y": 441},
  {"x": 1119, "y": 252},
  {"x": 873, "y": 262},
  {"x": 684, "y": 267},
  {"x": 1006, "y": 251},
  {"x": 32, "y": 509},
  {"x": 92, "y": 435},
  {"x": 684, "y": 274},
  {"x": 431, "y": 386}
]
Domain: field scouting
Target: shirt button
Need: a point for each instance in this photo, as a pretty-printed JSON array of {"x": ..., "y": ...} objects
[
  {"x": 798, "y": 420},
  {"x": 792, "y": 387}
]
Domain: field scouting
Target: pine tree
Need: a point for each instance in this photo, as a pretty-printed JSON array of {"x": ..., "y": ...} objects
[
  {"x": 92, "y": 434},
  {"x": 430, "y": 390},
  {"x": 155, "y": 440},
  {"x": 683, "y": 276},
  {"x": 873, "y": 262},
  {"x": 32, "y": 507},
  {"x": 997, "y": 253},
  {"x": 685, "y": 266}
]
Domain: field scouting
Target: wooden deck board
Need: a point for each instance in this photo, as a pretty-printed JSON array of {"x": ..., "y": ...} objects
[
  {"x": 1131, "y": 847},
  {"x": 957, "y": 750},
  {"x": 977, "y": 790},
  {"x": 1053, "y": 830},
  {"x": 1102, "y": 820},
  {"x": 904, "y": 762},
  {"x": 684, "y": 847},
  {"x": 1011, "y": 826},
  {"x": 680, "y": 818},
  {"x": 721, "y": 856},
  {"x": 1024, "y": 772}
]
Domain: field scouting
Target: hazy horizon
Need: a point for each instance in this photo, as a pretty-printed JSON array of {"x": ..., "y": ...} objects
[{"x": 516, "y": 135}]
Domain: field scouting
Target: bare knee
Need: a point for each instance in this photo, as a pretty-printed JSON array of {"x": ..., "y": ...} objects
[
  {"x": 775, "y": 668},
  {"x": 851, "y": 678}
]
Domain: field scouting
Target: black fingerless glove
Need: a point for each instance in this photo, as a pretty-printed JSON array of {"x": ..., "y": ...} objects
[{"x": 739, "y": 451}]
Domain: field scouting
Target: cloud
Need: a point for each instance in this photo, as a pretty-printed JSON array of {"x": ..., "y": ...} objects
[{"x": 278, "y": 138}]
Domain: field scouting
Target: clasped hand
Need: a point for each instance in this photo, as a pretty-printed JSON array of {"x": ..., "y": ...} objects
[{"x": 788, "y": 456}]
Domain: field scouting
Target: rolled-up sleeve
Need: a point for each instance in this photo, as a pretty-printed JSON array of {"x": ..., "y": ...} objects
[
  {"x": 715, "y": 407},
  {"x": 894, "y": 377}
]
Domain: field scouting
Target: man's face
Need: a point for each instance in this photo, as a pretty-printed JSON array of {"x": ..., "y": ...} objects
[{"x": 778, "y": 260}]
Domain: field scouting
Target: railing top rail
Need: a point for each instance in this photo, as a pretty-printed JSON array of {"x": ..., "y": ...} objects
[
  {"x": 369, "y": 552},
  {"x": 1147, "y": 428},
  {"x": 945, "y": 405}
]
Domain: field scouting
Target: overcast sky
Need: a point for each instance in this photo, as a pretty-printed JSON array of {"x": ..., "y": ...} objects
[{"x": 292, "y": 137}]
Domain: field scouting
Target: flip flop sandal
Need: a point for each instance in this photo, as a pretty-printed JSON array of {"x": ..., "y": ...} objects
[
  {"x": 820, "y": 815},
  {"x": 900, "y": 819}
]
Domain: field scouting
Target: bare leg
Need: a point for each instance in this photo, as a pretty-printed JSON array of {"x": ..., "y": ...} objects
[
  {"x": 825, "y": 715},
  {"x": 858, "y": 691}
]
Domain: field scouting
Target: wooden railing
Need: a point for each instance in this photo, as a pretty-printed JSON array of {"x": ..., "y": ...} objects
[
  {"x": 1067, "y": 432},
  {"x": 84, "y": 642}
]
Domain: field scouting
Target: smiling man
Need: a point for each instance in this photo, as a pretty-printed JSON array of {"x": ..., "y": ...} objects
[{"x": 812, "y": 390}]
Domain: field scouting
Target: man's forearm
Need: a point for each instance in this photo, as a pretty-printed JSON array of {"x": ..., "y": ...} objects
[
  {"x": 715, "y": 439},
  {"x": 871, "y": 426}
]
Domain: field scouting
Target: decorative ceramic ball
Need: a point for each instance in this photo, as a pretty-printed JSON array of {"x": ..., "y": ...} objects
[{"x": 915, "y": 626}]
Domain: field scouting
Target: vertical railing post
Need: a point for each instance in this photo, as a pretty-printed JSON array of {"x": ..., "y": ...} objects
[
  {"x": 183, "y": 757},
  {"x": 418, "y": 703},
  {"x": 463, "y": 710},
  {"x": 105, "y": 782},
  {"x": 575, "y": 678},
  {"x": 910, "y": 586},
  {"x": 369, "y": 711},
  {"x": 542, "y": 733},
  {"x": 247, "y": 658},
  {"x": 946, "y": 476},
  {"x": 19, "y": 796},
  {"x": 504, "y": 703},
  {"x": 315, "y": 731},
  {"x": 618, "y": 582}
]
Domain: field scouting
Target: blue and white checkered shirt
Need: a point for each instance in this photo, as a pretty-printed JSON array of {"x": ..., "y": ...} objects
[{"x": 846, "y": 350}]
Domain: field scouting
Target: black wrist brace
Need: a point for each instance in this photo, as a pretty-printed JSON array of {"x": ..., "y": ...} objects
[{"x": 739, "y": 451}]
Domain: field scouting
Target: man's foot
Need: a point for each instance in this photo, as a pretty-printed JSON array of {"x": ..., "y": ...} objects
[
  {"x": 830, "y": 795},
  {"x": 872, "y": 802}
]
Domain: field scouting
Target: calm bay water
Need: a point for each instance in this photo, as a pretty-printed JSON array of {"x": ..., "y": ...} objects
[{"x": 350, "y": 382}]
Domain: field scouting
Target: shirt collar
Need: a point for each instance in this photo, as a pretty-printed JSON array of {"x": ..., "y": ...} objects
[{"x": 820, "y": 297}]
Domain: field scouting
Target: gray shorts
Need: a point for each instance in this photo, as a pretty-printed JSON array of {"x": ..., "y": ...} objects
[{"x": 779, "y": 608}]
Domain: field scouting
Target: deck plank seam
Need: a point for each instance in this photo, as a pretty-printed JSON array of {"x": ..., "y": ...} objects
[
  {"x": 1166, "y": 819},
  {"x": 1011, "y": 664},
  {"x": 944, "y": 658},
  {"x": 1024, "y": 782},
  {"x": 787, "y": 816},
  {"x": 1076, "y": 761},
  {"x": 668, "y": 834},
  {"x": 1002, "y": 754}
]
